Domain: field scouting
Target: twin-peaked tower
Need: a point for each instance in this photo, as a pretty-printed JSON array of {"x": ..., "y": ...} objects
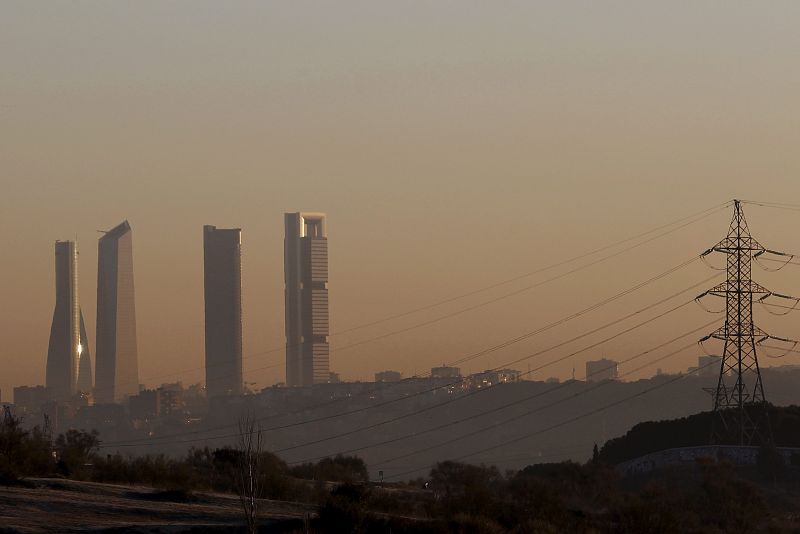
[
  {"x": 306, "y": 278},
  {"x": 69, "y": 364}
]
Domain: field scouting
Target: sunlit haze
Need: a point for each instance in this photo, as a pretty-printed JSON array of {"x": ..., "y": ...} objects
[{"x": 452, "y": 145}]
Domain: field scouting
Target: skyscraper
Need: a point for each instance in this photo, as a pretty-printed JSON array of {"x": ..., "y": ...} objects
[
  {"x": 117, "y": 356},
  {"x": 222, "y": 268},
  {"x": 306, "y": 277},
  {"x": 69, "y": 364}
]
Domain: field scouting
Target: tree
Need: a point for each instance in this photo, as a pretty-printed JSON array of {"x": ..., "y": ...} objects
[
  {"x": 248, "y": 483},
  {"x": 74, "y": 449},
  {"x": 12, "y": 447}
]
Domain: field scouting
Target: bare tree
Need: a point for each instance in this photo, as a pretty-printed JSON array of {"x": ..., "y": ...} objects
[{"x": 248, "y": 470}]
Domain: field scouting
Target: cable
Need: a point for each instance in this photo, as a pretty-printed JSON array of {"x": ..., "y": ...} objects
[
  {"x": 497, "y": 347},
  {"x": 562, "y": 423},
  {"x": 776, "y": 205},
  {"x": 358, "y": 410},
  {"x": 509, "y": 404},
  {"x": 705, "y": 213},
  {"x": 696, "y": 217}
]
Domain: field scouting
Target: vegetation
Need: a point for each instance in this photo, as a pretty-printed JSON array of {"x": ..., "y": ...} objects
[
  {"x": 652, "y": 436},
  {"x": 455, "y": 497}
]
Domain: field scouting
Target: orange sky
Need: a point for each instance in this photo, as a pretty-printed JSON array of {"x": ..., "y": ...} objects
[{"x": 452, "y": 144}]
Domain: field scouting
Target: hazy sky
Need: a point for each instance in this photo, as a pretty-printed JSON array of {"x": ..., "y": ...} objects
[{"x": 452, "y": 144}]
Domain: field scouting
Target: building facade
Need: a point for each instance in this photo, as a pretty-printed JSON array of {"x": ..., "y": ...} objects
[
  {"x": 69, "y": 365},
  {"x": 117, "y": 353},
  {"x": 599, "y": 370},
  {"x": 222, "y": 284},
  {"x": 709, "y": 366},
  {"x": 388, "y": 376},
  {"x": 307, "y": 318}
]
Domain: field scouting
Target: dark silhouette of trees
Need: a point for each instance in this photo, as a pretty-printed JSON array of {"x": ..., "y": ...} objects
[{"x": 74, "y": 450}]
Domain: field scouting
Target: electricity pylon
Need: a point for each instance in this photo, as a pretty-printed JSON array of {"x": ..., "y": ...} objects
[{"x": 740, "y": 406}]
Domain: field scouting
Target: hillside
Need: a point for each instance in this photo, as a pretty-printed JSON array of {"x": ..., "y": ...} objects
[{"x": 694, "y": 430}]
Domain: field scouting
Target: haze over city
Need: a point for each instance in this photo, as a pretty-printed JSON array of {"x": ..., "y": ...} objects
[
  {"x": 505, "y": 146},
  {"x": 309, "y": 194}
]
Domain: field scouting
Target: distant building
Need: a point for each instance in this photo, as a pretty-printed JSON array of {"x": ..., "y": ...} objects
[
  {"x": 69, "y": 365},
  {"x": 553, "y": 380},
  {"x": 599, "y": 370},
  {"x": 334, "y": 378},
  {"x": 307, "y": 320},
  {"x": 145, "y": 405},
  {"x": 222, "y": 282},
  {"x": 445, "y": 372},
  {"x": 709, "y": 365},
  {"x": 492, "y": 377},
  {"x": 171, "y": 402},
  {"x": 29, "y": 399},
  {"x": 117, "y": 352},
  {"x": 388, "y": 376}
]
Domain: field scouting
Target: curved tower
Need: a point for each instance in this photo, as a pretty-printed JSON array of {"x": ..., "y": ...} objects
[{"x": 69, "y": 365}]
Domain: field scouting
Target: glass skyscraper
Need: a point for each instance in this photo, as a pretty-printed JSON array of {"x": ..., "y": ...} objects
[
  {"x": 69, "y": 364},
  {"x": 117, "y": 355},
  {"x": 307, "y": 320}
]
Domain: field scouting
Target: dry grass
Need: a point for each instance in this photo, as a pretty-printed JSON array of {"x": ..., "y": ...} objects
[{"x": 55, "y": 505}]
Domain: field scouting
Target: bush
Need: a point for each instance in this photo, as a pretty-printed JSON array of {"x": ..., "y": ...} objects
[{"x": 349, "y": 469}]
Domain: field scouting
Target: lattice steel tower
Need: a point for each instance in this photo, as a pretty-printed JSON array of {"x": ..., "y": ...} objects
[{"x": 740, "y": 405}]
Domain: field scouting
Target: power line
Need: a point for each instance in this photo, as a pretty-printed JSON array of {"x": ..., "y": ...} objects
[
  {"x": 562, "y": 423},
  {"x": 146, "y": 442},
  {"x": 705, "y": 213},
  {"x": 688, "y": 220},
  {"x": 513, "y": 403}
]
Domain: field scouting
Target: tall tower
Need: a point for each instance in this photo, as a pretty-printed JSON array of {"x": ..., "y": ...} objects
[
  {"x": 222, "y": 283},
  {"x": 739, "y": 401},
  {"x": 117, "y": 355},
  {"x": 307, "y": 320},
  {"x": 69, "y": 365}
]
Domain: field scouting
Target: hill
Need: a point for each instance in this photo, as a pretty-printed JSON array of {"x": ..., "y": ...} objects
[{"x": 694, "y": 430}]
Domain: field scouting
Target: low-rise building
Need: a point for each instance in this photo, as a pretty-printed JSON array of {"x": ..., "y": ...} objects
[
  {"x": 388, "y": 376},
  {"x": 445, "y": 372},
  {"x": 599, "y": 370}
]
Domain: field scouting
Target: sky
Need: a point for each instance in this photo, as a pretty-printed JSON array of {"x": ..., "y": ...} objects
[{"x": 453, "y": 145}]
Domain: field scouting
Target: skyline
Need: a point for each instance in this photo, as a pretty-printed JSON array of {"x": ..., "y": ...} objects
[
  {"x": 320, "y": 230},
  {"x": 491, "y": 143}
]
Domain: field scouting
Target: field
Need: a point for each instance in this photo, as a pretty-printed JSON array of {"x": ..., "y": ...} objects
[{"x": 55, "y": 505}]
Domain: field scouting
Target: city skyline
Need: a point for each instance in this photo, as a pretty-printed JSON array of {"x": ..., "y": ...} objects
[
  {"x": 493, "y": 143},
  {"x": 309, "y": 222}
]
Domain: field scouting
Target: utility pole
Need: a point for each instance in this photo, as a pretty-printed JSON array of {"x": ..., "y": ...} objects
[{"x": 740, "y": 406}]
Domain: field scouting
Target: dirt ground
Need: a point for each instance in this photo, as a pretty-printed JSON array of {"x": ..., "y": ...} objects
[{"x": 55, "y": 505}]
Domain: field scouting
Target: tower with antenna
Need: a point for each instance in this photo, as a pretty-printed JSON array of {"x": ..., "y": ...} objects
[{"x": 740, "y": 405}]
